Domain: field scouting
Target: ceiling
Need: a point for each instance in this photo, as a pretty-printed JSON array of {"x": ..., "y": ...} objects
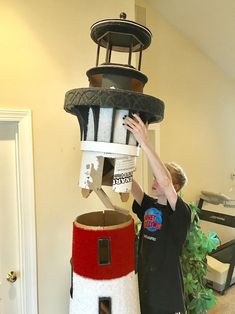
[{"x": 209, "y": 24}]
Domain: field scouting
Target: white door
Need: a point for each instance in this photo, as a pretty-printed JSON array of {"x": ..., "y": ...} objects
[
  {"x": 18, "y": 273},
  {"x": 9, "y": 239}
]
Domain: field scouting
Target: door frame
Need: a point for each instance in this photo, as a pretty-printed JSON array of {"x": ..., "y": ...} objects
[{"x": 25, "y": 207}]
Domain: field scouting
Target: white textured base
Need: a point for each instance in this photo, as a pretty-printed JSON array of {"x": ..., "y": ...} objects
[{"x": 122, "y": 291}]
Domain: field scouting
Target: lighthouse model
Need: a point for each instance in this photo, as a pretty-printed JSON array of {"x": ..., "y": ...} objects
[{"x": 104, "y": 279}]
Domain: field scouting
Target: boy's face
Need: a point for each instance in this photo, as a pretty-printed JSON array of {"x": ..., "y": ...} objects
[{"x": 156, "y": 189}]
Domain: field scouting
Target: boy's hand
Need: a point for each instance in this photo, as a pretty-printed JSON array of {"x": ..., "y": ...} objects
[{"x": 137, "y": 127}]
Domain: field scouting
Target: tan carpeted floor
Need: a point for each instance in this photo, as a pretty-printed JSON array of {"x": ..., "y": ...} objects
[{"x": 225, "y": 303}]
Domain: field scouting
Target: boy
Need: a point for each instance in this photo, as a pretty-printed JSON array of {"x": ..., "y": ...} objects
[{"x": 165, "y": 222}]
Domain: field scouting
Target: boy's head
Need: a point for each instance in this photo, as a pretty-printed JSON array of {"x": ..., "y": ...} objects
[{"x": 178, "y": 175}]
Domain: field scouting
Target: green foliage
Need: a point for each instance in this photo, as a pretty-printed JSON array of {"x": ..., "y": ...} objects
[{"x": 198, "y": 297}]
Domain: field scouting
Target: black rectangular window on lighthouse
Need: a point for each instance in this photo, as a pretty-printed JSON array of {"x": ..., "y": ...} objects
[
  {"x": 104, "y": 251},
  {"x": 105, "y": 305}
]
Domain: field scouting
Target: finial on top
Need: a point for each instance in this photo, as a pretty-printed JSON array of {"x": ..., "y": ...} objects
[{"x": 122, "y": 15}]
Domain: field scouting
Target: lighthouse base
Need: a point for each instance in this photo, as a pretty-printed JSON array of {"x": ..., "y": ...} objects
[{"x": 113, "y": 296}]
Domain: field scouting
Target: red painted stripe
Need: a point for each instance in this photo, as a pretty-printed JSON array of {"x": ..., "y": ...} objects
[{"x": 85, "y": 252}]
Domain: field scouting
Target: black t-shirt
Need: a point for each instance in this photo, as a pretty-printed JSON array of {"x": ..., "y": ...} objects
[{"x": 162, "y": 236}]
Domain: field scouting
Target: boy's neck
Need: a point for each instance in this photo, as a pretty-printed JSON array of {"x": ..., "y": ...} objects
[{"x": 162, "y": 200}]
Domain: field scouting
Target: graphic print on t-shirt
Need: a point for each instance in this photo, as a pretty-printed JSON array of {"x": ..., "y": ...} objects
[{"x": 153, "y": 219}]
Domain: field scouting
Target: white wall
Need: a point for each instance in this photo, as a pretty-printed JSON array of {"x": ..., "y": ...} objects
[
  {"x": 198, "y": 129},
  {"x": 46, "y": 49}
]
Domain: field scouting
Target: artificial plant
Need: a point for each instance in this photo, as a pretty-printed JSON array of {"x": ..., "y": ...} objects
[{"x": 198, "y": 298}]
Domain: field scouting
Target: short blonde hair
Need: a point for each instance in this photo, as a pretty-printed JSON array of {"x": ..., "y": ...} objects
[{"x": 177, "y": 174}]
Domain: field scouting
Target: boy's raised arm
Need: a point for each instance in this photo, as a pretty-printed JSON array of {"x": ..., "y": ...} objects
[{"x": 136, "y": 126}]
